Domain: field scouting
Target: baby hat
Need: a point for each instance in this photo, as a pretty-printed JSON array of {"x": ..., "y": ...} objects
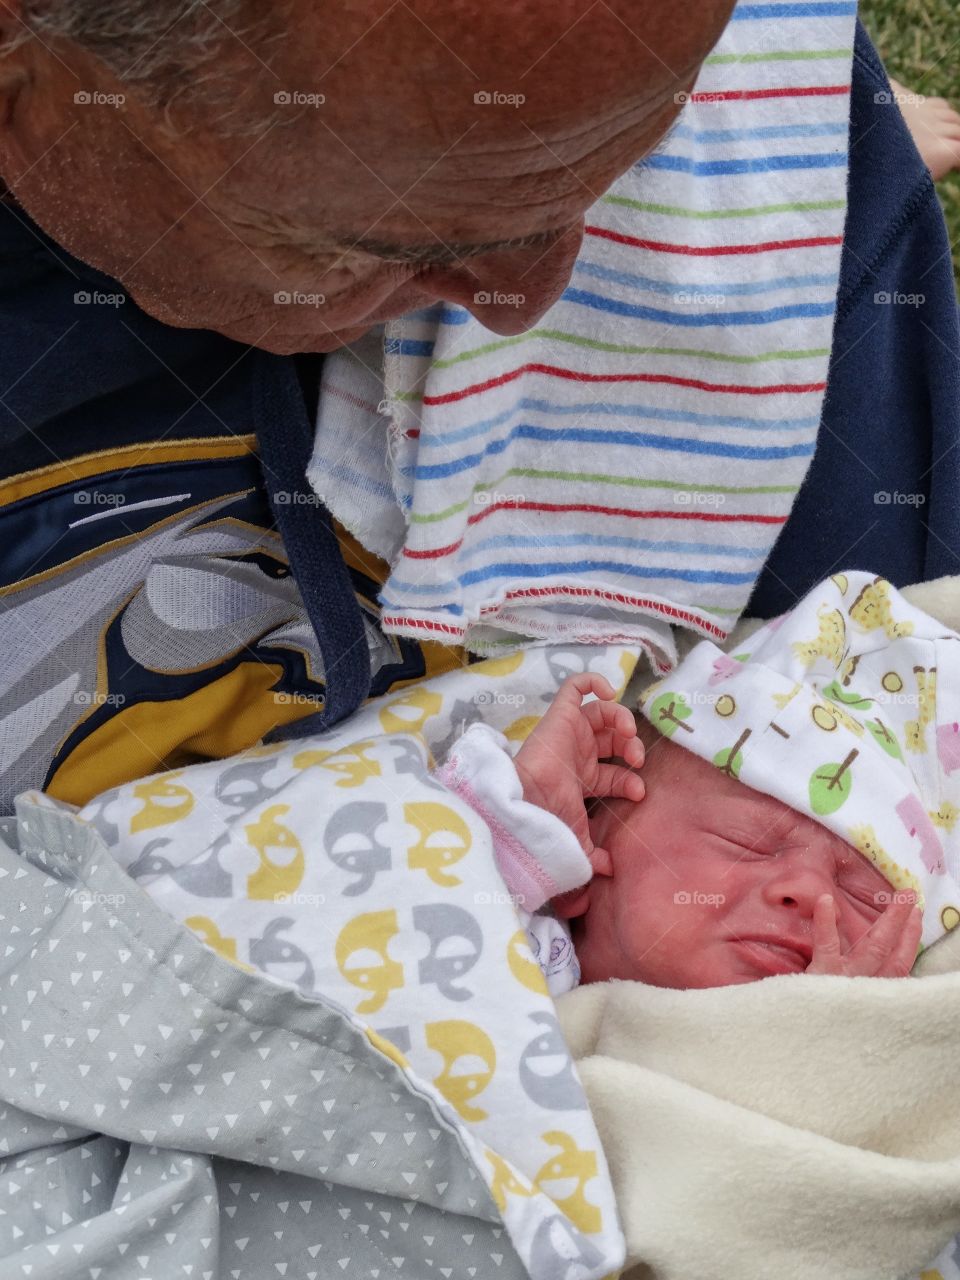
[{"x": 846, "y": 708}]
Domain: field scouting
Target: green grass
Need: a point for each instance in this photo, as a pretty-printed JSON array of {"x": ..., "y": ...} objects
[{"x": 919, "y": 41}]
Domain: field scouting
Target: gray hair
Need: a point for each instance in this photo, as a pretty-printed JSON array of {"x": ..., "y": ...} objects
[{"x": 168, "y": 49}]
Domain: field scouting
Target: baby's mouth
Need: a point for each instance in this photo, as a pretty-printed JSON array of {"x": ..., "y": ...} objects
[{"x": 773, "y": 957}]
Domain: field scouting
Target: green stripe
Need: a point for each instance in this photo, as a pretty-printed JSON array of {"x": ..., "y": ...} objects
[
  {"x": 597, "y": 478},
  {"x": 556, "y": 335},
  {"x": 679, "y": 211},
  {"x": 712, "y": 608},
  {"x": 778, "y": 55}
]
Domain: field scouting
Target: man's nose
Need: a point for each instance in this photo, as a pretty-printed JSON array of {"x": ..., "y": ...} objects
[{"x": 508, "y": 291}]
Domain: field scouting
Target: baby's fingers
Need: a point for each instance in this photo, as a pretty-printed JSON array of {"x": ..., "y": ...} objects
[
  {"x": 873, "y": 954},
  {"x": 575, "y": 688},
  {"x": 827, "y": 957},
  {"x": 616, "y": 781},
  {"x": 902, "y": 958},
  {"x": 615, "y": 731}
]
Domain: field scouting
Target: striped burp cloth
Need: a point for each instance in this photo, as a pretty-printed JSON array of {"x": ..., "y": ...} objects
[{"x": 629, "y": 463}]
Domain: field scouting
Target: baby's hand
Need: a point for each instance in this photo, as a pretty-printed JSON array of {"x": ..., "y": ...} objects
[
  {"x": 887, "y": 950},
  {"x": 559, "y": 764}
]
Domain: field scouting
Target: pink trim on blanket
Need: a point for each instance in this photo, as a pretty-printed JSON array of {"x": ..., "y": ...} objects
[{"x": 523, "y": 874}]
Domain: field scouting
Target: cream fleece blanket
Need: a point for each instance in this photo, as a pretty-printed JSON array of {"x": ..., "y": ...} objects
[{"x": 798, "y": 1128}]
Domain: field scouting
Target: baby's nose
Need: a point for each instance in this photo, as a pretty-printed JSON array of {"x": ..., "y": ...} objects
[{"x": 798, "y": 882}]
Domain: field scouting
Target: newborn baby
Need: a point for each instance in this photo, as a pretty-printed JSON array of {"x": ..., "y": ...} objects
[
  {"x": 700, "y": 881},
  {"x": 801, "y": 809}
]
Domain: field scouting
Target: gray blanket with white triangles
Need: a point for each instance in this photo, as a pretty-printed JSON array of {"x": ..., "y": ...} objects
[{"x": 164, "y": 1114}]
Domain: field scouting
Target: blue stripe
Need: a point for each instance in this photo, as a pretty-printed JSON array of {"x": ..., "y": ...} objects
[
  {"x": 452, "y": 314},
  {"x": 696, "y": 321},
  {"x": 442, "y": 610},
  {"x": 651, "y": 412},
  {"x": 715, "y": 287},
  {"x": 587, "y": 435},
  {"x": 407, "y": 347},
  {"x": 748, "y": 164},
  {"x": 759, "y": 134},
  {"x": 524, "y": 569},
  {"x": 366, "y": 483},
  {"x": 832, "y": 9},
  {"x": 629, "y": 544}
]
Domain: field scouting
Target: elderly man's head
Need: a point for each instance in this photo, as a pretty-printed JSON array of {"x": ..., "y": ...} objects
[{"x": 376, "y": 154}]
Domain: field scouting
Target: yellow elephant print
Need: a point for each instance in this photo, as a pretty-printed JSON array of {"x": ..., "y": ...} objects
[
  {"x": 469, "y": 1063},
  {"x": 444, "y": 839},
  {"x": 570, "y": 1165},
  {"x": 364, "y": 942},
  {"x": 208, "y": 932},
  {"x": 352, "y": 762},
  {"x": 411, "y": 712},
  {"x": 523, "y": 966},
  {"x": 281, "y": 856},
  {"x": 164, "y": 802},
  {"x": 506, "y": 1181}
]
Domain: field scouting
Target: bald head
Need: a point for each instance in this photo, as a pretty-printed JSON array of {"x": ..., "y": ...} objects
[{"x": 327, "y": 168}]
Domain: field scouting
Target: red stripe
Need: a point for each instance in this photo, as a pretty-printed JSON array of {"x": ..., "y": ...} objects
[
  {"x": 423, "y": 624},
  {"x": 637, "y": 602},
  {"x": 714, "y": 250},
  {"x": 572, "y": 375},
  {"x": 437, "y": 553},
  {"x": 751, "y": 95}
]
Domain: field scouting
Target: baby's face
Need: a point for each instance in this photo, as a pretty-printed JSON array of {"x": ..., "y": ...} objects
[{"x": 714, "y": 883}]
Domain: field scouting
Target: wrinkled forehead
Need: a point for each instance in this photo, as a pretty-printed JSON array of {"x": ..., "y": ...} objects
[
  {"x": 715, "y": 801},
  {"x": 529, "y": 86}
]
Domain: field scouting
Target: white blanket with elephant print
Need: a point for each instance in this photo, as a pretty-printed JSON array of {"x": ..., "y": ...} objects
[{"x": 339, "y": 864}]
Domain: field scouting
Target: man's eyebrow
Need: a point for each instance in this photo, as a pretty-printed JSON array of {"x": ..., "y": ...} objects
[{"x": 441, "y": 254}]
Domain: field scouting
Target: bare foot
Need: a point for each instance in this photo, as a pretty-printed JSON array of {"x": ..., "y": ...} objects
[{"x": 935, "y": 127}]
